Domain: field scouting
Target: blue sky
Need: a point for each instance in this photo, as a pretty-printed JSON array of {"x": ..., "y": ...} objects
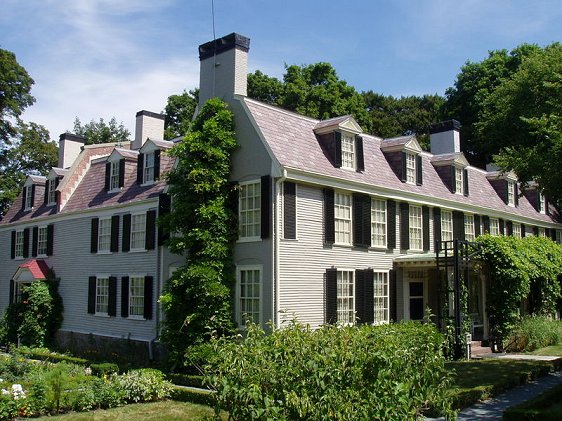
[{"x": 104, "y": 58}]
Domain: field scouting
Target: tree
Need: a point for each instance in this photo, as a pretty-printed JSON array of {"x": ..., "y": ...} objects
[
  {"x": 265, "y": 88},
  {"x": 179, "y": 113},
  {"x": 97, "y": 132}
]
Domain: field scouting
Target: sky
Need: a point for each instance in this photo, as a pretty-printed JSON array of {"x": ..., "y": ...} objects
[{"x": 96, "y": 59}]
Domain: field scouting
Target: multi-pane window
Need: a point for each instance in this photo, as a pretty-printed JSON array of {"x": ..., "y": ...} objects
[
  {"x": 342, "y": 218},
  {"x": 138, "y": 231},
  {"x": 410, "y": 168},
  {"x": 29, "y": 197},
  {"x": 136, "y": 296},
  {"x": 559, "y": 236},
  {"x": 517, "y": 230},
  {"x": 19, "y": 244},
  {"x": 104, "y": 235},
  {"x": 542, "y": 203},
  {"x": 542, "y": 232},
  {"x": 510, "y": 193},
  {"x": 446, "y": 225},
  {"x": 378, "y": 223},
  {"x": 380, "y": 286},
  {"x": 415, "y": 227},
  {"x": 42, "y": 241},
  {"x": 494, "y": 226},
  {"x": 20, "y": 290},
  {"x": 102, "y": 295},
  {"x": 249, "y": 295},
  {"x": 249, "y": 220},
  {"x": 51, "y": 185},
  {"x": 345, "y": 298},
  {"x": 114, "y": 176},
  {"x": 347, "y": 151},
  {"x": 469, "y": 234},
  {"x": 459, "y": 182},
  {"x": 148, "y": 167}
]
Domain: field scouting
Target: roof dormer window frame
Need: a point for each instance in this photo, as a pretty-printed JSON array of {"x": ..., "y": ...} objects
[
  {"x": 541, "y": 203},
  {"x": 29, "y": 193},
  {"x": 511, "y": 192},
  {"x": 348, "y": 151},
  {"x": 411, "y": 167},
  {"x": 51, "y": 186}
]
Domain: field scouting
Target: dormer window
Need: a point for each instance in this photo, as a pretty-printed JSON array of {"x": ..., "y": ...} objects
[
  {"x": 459, "y": 180},
  {"x": 542, "y": 203},
  {"x": 348, "y": 151},
  {"x": 410, "y": 168},
  {"x": 29, "y": 197},
  {"x": 511, "y": 193},
  {"x": 340, "y": 138},
  {"x": 148, "y": 168},
  {"x": 148, "y": 165},
  {"x": 51, "y": 191},
  {"x": 114, "y": 176}
]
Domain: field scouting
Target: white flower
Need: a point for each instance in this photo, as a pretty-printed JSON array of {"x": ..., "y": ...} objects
[
  {"x": 5, "y": 392},
  {"x": 88, "y": 371},
  {"x": 18, "y": 392}
]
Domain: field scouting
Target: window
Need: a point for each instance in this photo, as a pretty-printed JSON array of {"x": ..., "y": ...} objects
[
  {"x": 104, "y": 235},
  {"x": 516, "y": 230},
  {"x": 52, "y": 186},
  {"x": 250, "y": 210},
  {"x": 345, "y": 300},
  {"x": 510, "y": 193},
  {"x": 446, "y": 225},
  {"x": 138, "y": 231},
  {"x": 29, "y": 197},
  {"x": 249, "y": 279},
  {"x": 469, "y": 234},
  {"x": 542, "y": 203},
  {"x": 559, "y": 236},
  {"x": 102, "y": 296},
  {"x": 19, "y": 244},
  {"x": 136, "y": 297},
  {"x": 114, "y": 176},
  {"x": 19, "y": 291},
  {"x": 348, "y": 151},
  {"x": 415, "y": 227},
  {"x": 459, "y": 181},
  {"x": 148, "y": 168},
  {"x": 378, "y": 223},
  {"x": 494, "y": 226},
  {"x": 342, "y": 218},
  {"x": 42, "y": 241},
  {"x": 542, "y": 232},
  {"x": 380, "y": 287},
  {"x": 410, "y": 168}
]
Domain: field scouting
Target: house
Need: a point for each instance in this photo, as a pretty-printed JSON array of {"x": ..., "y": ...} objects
[{"x": 335, "y": 225}]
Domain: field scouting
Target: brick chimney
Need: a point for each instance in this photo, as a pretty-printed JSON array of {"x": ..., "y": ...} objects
[
  {"x": 224, "y": 68},
  {"x": 148, "y": 125},
  {"x": 70, "y": 146},
  {"x": 445, "y": 137}
]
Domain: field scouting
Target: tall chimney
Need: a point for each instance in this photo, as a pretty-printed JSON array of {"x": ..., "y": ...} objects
[
  {"x": 148, "y": 124},
  {"x": 445, "y": 137},
  {"x": 224, "y": 68},
  {"x": 70, "y": 146}
]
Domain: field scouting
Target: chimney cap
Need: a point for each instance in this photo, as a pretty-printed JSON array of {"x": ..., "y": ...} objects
[
  {"x": 223, "y": 44},
  {"x": 73, "y": 137},
  {"x": 444, "y": 126},
  {"x": 150, "y": 114}
]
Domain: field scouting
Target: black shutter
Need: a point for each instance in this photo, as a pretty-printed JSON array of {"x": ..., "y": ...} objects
[
  {"x": 404, "y": 226},
  {"x": 536, "y": 231},
  {"x": 50, "y": 239},
  {"x": 393, "y": 295},
  {"x": 419, "y": 170},
  {"x": 546, "y": 207},
  {"x": 502, "y": 226},
  {"x": 329, "y": 217},
  {"x": 476, "y": 225},
  {"x": 331, "y": 292},
  {"x": 360, "y": 155},
  {"x": 337, "y": 149},
  {"x": 164, "y": 205},
  {"x": 369, "y": 299},
  {"x": 453, "y": 179},
  {"x": 486, "y": 224},
  {"x": 26, "y": 243},
  {"x": 94, "y": 235},
  {"x": 92, "y": 295},
  {"x": 11, "y": 297},
  {"x": 265, "y": 206},
  {"x": 156, "y": 164},
  {"x": 553, "y": 234},
  {"x": 361, "y": 220},
  {"x": 509, "y": 228},
  {"x": 458, "y": 225},
  {"x": 140, "y": 168},
  {"x": 112, "y": 299},
  {"x": 125, "y": 296},
  {"x": 359, "y": 294},
  {"x": 46, "y": 195},
  {"x": 34, "y": 242},
  {"x": 126, "y": 242},
  {"x": 516, "y": 195},
  {"x": 506, "y": 195},
  {"x": 523, "y": 230},
  {"x": 23, "y": 198},
  {"x": 114, "y": 247},
  {"x": 425, "y": 228},
  {"x": 148, "y": 294},
  {"x": 436, "y": 225},
  {"x": 121, "y": 172},
  {"x": 289, "y": 210},
  {"x": 390, "y": 224},
  {"x": 150, "y": 230},
  {"x": 107, "y": 175},
  {"x": 465, "y": 182},
  {"x": 404, "y": 160},
  {"x": 32, "y": 195},
  {"x": 13, "y": 246}
]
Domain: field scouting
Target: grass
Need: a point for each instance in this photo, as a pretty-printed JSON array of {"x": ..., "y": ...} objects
[
  {"x": 554, "y": 350},
  {"x": 547, "y": 406},
  {"x": 165, "y": 410}
]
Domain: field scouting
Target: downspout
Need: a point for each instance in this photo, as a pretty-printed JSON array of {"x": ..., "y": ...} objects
[
  {"x": 276, "y": 253},
  {"x": 159, "y": 276}
]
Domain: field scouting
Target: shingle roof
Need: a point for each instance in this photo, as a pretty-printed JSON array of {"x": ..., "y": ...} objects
[
  {"x": 38, "y": 268},
  {"x": 292, "y": 141}
]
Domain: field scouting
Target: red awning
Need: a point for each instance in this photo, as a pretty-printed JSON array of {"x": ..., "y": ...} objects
[{"x": 38, "y": 268}]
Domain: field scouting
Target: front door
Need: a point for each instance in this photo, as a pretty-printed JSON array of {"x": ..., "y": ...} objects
[{"x": 415, "y": 294}]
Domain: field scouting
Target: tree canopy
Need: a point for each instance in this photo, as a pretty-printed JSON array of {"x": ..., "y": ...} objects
[
  {"x": 101, "y": 132},
  {"x": 179, "y": 113}
]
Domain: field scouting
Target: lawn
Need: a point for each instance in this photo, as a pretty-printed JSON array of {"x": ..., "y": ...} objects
[
  {"x": 554, "y": 350},
  {"x": 547, "y": 406}
]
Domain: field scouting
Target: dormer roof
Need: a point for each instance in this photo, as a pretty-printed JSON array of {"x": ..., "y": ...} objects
[
  {"x": 401, "y": 143},
  {"x": 120, "y": 153},
  {"x": 343, "y": 123},
  {"x": 457, "y": 159},
  {"x": 500, "y": 175},
  {"x": 153, "y": 144},
  {"x": 56, "y": 172},
  {"x": 35, "y": 179}
]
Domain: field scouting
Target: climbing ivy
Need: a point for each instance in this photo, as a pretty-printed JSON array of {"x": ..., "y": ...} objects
[
  {"x": 523, "y": 273},
  {"x": 196, "y": 300}
]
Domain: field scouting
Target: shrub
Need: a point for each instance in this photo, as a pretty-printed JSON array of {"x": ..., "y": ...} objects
[
  {"x": 534, "y": 332},
  {"x": 98, "y": 394},
  {"x": 185, "y": 379},
  {"x": 358, "y": 372},
  {"x": 144, "y": 385},
  {"x": 104, "y": 369}
]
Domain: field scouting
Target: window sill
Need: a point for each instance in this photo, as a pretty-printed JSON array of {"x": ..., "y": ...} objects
[
  {"x": 117, "y": 190},
  {"x": 141, "y": 318},
  {"x": 343, "y": 245},
  {"x": 105, "y": 315},
  {"x": 379, "y": 248},
  {"x": 104, "y": 252},
  {"x": 249, "y": 239},
  {"x": 137, "y": 251},
  {"x": 147, "y": 183},
  {"x": 19, "y": 258},
  {"x": 41, "y": 256}
]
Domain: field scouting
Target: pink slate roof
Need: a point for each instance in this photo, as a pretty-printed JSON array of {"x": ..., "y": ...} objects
[
  {"x": 38, "y": 268},
  {"x": 292, "y": 141}
]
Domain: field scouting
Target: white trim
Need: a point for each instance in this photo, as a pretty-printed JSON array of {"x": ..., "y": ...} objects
[
  {"x": 241, "y": 238},
  {"x": 238, "y": 297}
]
